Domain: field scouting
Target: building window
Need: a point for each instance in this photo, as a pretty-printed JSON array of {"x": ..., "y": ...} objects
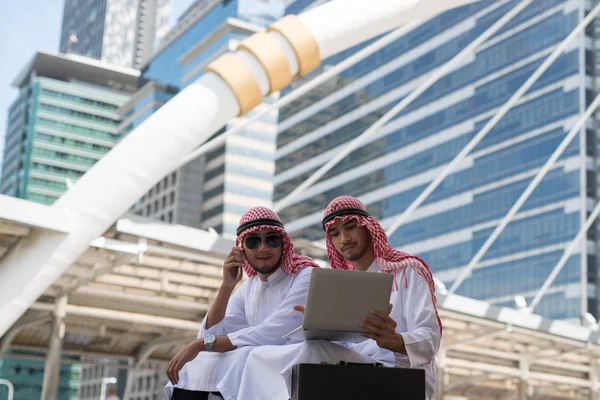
[
  {"x": 158, "y": 187},
  {"x": 166, "y": 182},
  {"x": 150, "y": 192},
  {"x": 172, "y": 198},
  {"x": 148, "y": 209},
  {"x": 214, "y": 192},
  {"x": 213, "y": 211},
  {"x": 164, "y": 201},
  {"x": 162, "y": 217},
  {"x": 214, "y": 172},
  {"x": 173, "y": 178},
  {"x": 170, "y": 216},
  {"x": 156, "y": 206}
]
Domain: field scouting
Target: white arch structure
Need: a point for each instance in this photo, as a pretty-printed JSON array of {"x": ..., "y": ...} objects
[{"x": 233, "y": 85}]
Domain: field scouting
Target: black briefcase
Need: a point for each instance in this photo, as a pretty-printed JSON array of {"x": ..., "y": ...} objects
[{"x": 347, "y": 381}]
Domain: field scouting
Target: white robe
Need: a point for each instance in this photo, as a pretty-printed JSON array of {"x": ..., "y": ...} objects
[
  {"x": 267, "y": 375},
  {"x": 258, "y": 313}
]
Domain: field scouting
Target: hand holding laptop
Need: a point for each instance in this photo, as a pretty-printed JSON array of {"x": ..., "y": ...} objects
[
  {"x": 338, "y": 300},
  {"x": 382, "y": 329}
]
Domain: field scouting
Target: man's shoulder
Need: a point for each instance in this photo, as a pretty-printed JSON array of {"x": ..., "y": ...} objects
[{"x": 303, "y": 274}]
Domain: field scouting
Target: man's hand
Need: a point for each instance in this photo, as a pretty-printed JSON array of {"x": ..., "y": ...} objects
[
  {"x": 299, "y": 308},
  {"x": 232, "y": 268},
  {"x": 183, "y": 357},
  {"x": 382, "y": 329},
  {"x": 232, "y": 274}
]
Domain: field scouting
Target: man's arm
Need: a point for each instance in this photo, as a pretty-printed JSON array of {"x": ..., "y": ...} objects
[
  {"x": 234, "y": 319},
  {"x": 217, "y": 311},
  {"x": 282, "y": 321},
  {"x": 233, "y": 308},
  {"x": 232, "y": 274},
  {"x": 422, "y": 339},
  {"x": 222, "y": 316},
  {"x": 190, "y": 352}
]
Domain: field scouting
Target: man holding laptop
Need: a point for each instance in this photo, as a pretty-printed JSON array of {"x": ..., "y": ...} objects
[
  {"x": 258, "y": 313},
  {"x": 407, "y": 336}
]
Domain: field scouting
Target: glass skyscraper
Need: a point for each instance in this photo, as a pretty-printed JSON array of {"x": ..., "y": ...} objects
[
  {"x": 396, "y": 165},
  {"x": 63, "y": 121},
  {"x": 121, "y": 32}
]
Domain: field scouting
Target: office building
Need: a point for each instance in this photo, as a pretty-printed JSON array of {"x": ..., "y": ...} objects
[
  {"x": 63, "y": 121},
  {"x": 120, "y": 32},
  {"x": 395, "y": 165}
]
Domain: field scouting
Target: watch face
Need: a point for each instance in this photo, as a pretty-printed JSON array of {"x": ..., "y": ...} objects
[{"x": 210, "y": 339}]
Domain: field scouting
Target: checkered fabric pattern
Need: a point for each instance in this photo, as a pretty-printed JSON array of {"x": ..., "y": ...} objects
[
  {"x": 388, "y": 259},
  {"x": 290, "y": 262}
]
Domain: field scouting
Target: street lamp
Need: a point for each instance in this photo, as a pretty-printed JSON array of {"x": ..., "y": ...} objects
[
  {"x": 440, "y": 287},
  {"x": 590, "y": 321},
  {"x": 521, "y": 303},
  {"x": 106, "y": 381},
  {"x": 11, "y": 389}
]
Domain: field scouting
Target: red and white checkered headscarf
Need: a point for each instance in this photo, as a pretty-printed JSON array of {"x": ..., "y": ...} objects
[
  {"x": 388, "y": 259},
  {"x": 290, "y": 262}
]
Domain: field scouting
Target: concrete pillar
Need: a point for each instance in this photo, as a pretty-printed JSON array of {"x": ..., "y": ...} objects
[
  {"x": 131, "y": 377},
  {"x": 594, "y": 374},
  {"x": 523, "y": 390},
  {"x": 523, "y": 387},
  {"x": 55, "y": 342}
]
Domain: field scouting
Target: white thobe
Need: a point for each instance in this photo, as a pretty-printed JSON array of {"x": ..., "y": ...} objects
[
  {"x": 258, "y": 313},
  {"x": 267, "y": 375}
]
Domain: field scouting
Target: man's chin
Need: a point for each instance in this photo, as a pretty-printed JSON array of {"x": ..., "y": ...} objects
[
  {"x": 265, "y": 270},
  {"x": 352, "y": 256}
]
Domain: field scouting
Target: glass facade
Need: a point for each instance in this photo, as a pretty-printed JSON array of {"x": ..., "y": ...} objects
[
  {"x": 27, "y": 376},
  {"x": 85, "y": 20},
  {"x": 16, "y": 146},
  {"x": 120, "y": 32},
  {"x": 57, "y": 131},
  {"x": 397, "y": 163}
]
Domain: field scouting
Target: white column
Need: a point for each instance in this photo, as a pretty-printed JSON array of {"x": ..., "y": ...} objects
[
  {"x": 595, "y": 389},
  {"x": 52, "y": 367},
  {"x": 523, "y": 387}
]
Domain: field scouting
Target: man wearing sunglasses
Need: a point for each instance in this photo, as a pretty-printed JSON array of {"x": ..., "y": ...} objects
[
  {"x": 408, "y": 336},
  {"x": 258, "y": 313}
]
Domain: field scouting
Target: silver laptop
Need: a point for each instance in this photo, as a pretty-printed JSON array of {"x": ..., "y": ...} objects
[{"x": 337, "y": 300}]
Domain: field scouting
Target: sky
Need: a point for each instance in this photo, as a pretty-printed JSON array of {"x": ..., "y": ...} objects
[{"x": 27, "y": 26}]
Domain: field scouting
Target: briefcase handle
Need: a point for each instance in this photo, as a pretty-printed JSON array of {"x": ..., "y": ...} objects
[{"x": 375, "y": 364}]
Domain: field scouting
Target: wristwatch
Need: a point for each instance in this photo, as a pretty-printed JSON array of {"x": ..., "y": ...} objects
[{"x": 209, "y": 341}]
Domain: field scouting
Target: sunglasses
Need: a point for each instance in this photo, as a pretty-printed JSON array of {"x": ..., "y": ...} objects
[{"x": 273, "y": 241}]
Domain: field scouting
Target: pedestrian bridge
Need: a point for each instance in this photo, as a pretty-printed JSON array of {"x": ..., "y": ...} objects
[{"x": 140, "y": 291}]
